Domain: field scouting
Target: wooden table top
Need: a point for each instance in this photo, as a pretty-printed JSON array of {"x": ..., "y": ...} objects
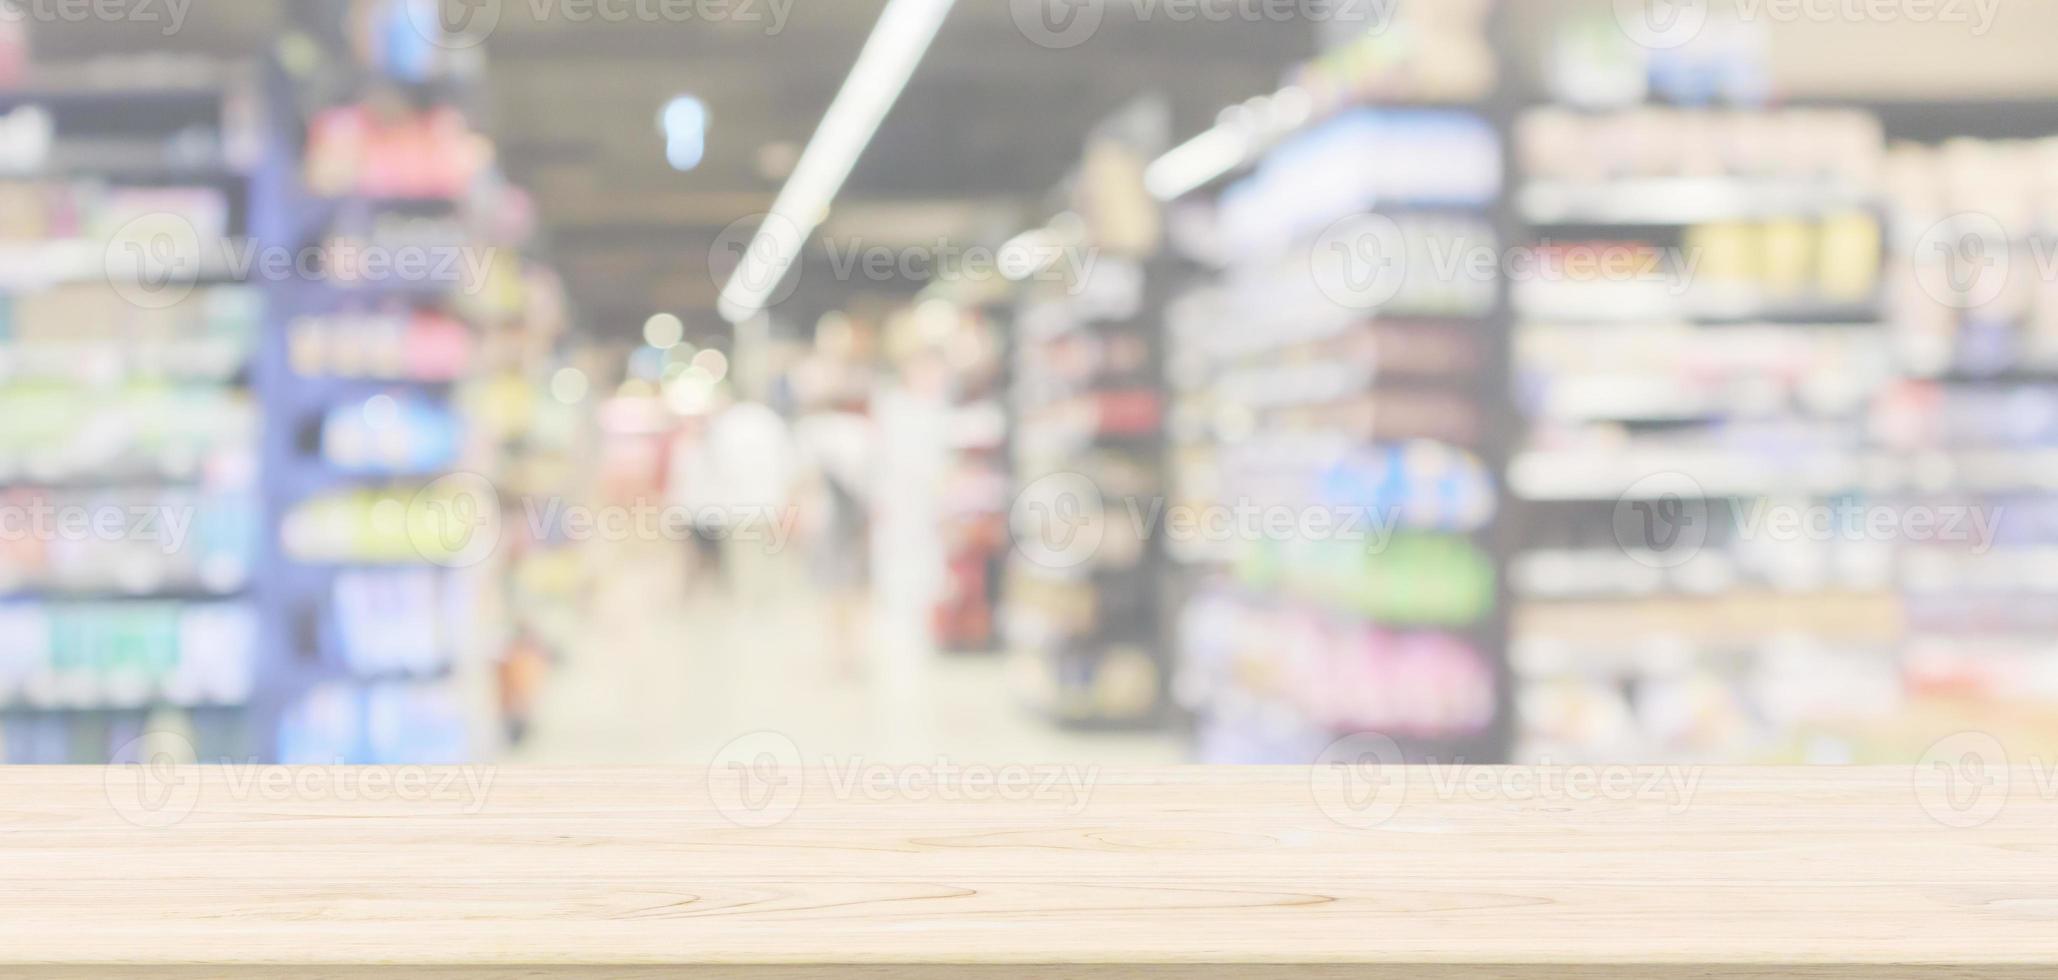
[{"x": 1029, "y": 871}]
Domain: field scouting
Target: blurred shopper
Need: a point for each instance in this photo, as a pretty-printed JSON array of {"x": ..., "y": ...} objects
[
  {"x": 689, "y": 477},
  {"x": 913, "y": 430},
  {"x": 751, "y": 450},
  {"x": 733, "y": 474},
  {"x": 837, "y": 444}
]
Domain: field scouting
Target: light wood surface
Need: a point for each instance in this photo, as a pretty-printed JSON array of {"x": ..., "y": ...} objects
[{"x": 1245, "y": 873}]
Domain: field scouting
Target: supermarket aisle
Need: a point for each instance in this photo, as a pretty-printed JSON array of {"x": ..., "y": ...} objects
[{"x": 668, "y": 675}]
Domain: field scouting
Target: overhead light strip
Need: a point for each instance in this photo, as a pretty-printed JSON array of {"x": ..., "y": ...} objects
[
  {"x": 889, "y": 59},
  {"x": 1243, "y": 133}
]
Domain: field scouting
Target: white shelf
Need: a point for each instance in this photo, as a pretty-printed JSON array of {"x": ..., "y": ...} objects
[{"x": 1664, "y": 201}]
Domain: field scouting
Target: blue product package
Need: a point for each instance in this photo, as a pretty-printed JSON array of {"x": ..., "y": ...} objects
[{"x": 405, "y": 52}]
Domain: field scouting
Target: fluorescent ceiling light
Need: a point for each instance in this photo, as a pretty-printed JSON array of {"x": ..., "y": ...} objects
[
  {"x": 890, "y": 56},
  {"x": 684, "y": 122},
  {"x": 1190, "y": 165},
  {"x": 1243, "y": 133}
]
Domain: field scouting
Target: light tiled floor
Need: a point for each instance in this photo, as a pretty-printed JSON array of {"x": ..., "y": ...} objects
[{"x": 670, "y": 674}]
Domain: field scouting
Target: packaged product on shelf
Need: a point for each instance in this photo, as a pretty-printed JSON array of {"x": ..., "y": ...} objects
[
  {"x": 26, "y": 133},
  {"x": 390, "y": 622},
  {"x": 383, "y": 150},
  {"x": 376, "y": 724},
  {"x": 389, "y": 435},
  {"x": 1345, "y": 166},
  {"x": 108, "y": 656},
  {"x": 70, "y": 433},
  {"x": 1429, "y": 52},
  {"x": 14, "y": 52}
]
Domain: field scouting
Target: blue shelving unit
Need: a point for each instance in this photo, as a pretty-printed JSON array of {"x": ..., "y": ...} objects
[{"x": 307, "y": 670}]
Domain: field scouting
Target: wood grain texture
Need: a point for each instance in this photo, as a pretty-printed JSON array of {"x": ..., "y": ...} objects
[{"x": 1436, "y": 874}]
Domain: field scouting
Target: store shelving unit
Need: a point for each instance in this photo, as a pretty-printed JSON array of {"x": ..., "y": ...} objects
[
  {"x": 124, "y": 399},
  {"x": 323, "y": 514},
  {"x": 1728, "y": 366},
  {"x": 1974, "y": 332},
  {"x": 383, "y": 470},
  {"x": 1083, "y": 614},
  {"x": 975, "y": 494},
  {"x": 1324, "y": 362},
  {"x": 1083, "y": 617}
]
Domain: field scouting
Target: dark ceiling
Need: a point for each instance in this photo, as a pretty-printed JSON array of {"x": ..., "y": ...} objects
[{"x": 991, "y": 123}]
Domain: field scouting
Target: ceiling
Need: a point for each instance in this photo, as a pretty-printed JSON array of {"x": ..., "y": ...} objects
[{"x": 989, "y": 126}]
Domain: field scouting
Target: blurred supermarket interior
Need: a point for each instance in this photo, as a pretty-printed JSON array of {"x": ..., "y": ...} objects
[{"x": 1092, "y": 381}]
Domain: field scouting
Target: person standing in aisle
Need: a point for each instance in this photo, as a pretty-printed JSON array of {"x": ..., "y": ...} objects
[
  {"x": 912, "y": 432},
  {"x": 837, "y": 443},
  {"x": 751, "y": 450},
  {"x": 689, "y": 485}
]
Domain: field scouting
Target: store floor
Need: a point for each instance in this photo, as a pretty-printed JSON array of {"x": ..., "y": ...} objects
[{"x": 671, "y": 668}]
